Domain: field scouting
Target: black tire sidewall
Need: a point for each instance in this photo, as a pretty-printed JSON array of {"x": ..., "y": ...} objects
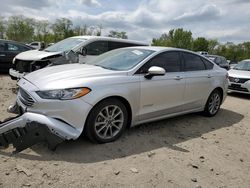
[{"x": 90, "y": 128}]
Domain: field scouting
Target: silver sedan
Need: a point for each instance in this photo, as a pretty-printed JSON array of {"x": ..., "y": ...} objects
[{"x": 119, "y": 89}]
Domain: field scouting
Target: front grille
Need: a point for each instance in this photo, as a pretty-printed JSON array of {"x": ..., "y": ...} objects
[
  {"x": 238, "y": 80},
  {"x": 237, "y": 87},
  {"x": 23, "y": 66},
  {"x": 25, "y": 98}
]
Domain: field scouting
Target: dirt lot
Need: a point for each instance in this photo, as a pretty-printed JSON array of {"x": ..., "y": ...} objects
[{"x": 187, "y": 151}]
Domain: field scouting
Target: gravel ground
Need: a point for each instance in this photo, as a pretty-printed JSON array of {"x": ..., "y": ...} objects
[{"x": 186, "y": 151}]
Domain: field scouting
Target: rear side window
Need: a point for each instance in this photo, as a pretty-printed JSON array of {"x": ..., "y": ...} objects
[
  {"x": 97, "y": 48},
  {"x": 193, "y": 62},
  {"x": 12, "y": 47},
  {"x": 208, "y": 64},
  {"x": 170, "y": 61}
]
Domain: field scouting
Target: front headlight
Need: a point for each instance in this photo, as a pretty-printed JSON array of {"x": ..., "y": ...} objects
[{"x": 64, "y": 94}]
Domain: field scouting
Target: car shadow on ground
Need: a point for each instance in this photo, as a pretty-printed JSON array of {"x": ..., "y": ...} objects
[
  {"x": 239, "y": 95},
  {"x": 144, "y": 138}
]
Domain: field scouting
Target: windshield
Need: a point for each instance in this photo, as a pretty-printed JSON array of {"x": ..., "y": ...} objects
[
  {"x": 243, "y": 65},
  {"x": 121, "y": 59},
  {"x": 65, "y": 45}
]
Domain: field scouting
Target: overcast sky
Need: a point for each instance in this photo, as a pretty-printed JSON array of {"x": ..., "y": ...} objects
[{"x": 225, "y": 20}]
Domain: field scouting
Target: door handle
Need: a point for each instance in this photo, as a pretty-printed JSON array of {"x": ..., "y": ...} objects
[
  {"x": 178, "y": 78},
  {"x": 209, "y": 76},
  {"x": 2, "y": 55}
]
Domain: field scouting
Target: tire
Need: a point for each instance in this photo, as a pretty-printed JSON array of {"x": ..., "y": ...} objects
[
  {"x": 213, "y": 104},
  {"x": 106, "y": 121}
]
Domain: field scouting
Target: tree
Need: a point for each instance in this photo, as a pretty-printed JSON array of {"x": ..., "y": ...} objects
[
  {"x": 62, "y": 28},
  {"x": 200, "y": 44},
  {"x": 178, "y": 38},
  {"x": 20, "y": 28},
  {"x": 2, "y": 27},
  {"x": 117, "y": 34},
  {"x": 42, "y": 31},
  {"x": 212, "y": 44},
  {"x": 164, "y": 40},
  {"x": 181, "y": 38}
]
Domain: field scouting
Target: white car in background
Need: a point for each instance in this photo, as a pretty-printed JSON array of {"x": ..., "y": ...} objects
[
  {"x": 239, "y": 77},
  {"x": 119, "y": 89},
  {"x": 78, "y": 49}
]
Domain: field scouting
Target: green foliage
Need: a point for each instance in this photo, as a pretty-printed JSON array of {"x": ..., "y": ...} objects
[
  {"x": 117, "y": 34},
  {"x": 200, "y": 44},
  {"x": 212, "y": 43},
  {"x": 20, "y": 28},
  {"x": 177, "y": 38},
  {"x": 2, "y": 27},
  {"x": 62, "y": 28},
  {"x": 25, "y": 30}
]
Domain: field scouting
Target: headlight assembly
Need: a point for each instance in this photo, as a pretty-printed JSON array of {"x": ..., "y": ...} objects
[{"x": 64, "y": 94}]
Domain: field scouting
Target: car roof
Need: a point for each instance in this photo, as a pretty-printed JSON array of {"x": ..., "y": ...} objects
[
  {"x": 4, "y": 40},
  {"x": 87, "y": 37},
  {"x": 213, "y": 56},
  {"x": 161, "y": 49}
]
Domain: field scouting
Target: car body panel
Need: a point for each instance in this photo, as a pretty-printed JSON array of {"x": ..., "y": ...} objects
[
  {"x": 239, "y": 81},
  {"x": 148, "y": 99}
]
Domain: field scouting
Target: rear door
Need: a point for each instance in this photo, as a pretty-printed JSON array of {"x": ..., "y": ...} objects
[
  {"x": 162, "y": 95},
  {"x": 198, "y": 75}
]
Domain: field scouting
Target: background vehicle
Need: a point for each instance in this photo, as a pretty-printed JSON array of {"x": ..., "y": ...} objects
[
  {"x": 8, "y": 50},
  {"x": 37, "y": 45},
  {"x": 202, "y": 53},
  {"x": 71, "y": 50},
  {"x": 123, "y": 87},
  {"x": 239, "y": 77},
  {"x": 219, "y": 60}
]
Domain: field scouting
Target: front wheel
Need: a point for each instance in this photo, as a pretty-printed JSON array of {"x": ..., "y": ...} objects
[
  {"x": 213, "y": 104},
  {"x": 106, "y": 121}
]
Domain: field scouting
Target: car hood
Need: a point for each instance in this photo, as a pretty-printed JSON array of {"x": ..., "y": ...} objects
[
  {"x": 239, "y": 73},
  {"x": 33, "y": 55},
  {"x": 69, "y": 76}
]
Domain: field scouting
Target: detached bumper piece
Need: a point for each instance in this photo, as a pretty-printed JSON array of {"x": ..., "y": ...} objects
[
  {"x": 31, "y": 134},
  {"x": 31, "y": 128}
]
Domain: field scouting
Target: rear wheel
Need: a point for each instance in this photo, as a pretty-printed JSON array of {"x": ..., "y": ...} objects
[
  {"x": 213, "y": 103},
  {"x": 106, "y": 121}
]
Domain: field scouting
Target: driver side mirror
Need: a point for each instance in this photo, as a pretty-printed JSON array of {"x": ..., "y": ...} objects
[{"x": 155, "y": 71}]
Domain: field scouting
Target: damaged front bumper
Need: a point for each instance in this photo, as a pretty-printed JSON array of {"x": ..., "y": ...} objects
[{"x": 31, "y": 128}]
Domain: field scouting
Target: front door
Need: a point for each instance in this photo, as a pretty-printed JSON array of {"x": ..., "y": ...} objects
[{"x": 162, "y": 95}]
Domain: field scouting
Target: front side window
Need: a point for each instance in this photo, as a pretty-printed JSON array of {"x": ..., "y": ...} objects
[
  {"x": 170, "y": 61},
  {"x": 193, "y": 62},
  {"x": 97, "y": 48}
]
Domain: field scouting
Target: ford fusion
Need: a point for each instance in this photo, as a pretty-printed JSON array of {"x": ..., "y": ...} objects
[
  {"x": 119, "y": 89},
  {"x": 239, "y": 77}
]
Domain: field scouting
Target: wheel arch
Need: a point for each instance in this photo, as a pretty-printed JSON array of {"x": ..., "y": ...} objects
[
  {"x": 120, "y": 98},
  {"x": 220, "y": 91}
]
